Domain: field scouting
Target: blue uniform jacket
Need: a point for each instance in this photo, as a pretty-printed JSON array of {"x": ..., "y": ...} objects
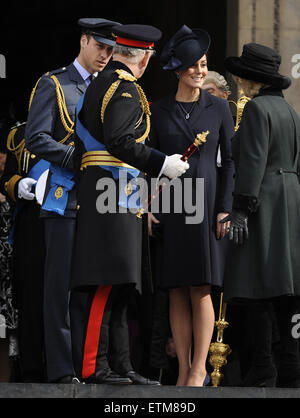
[{"x": 45, "y": 128}]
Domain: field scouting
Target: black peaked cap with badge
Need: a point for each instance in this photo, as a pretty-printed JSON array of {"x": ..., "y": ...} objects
[
  {"x": 100, "y": 29},
  {"x": 137, "y": 36}
]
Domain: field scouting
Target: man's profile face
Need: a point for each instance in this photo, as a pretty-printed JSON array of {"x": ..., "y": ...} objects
[
  {"x": 214, "y": 90},
  {"x": 95, "y": 54}
]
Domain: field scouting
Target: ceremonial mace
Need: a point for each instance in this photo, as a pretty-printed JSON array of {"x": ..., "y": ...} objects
[
  {"x": 218, "y": 350},
  {"x": 199, "y": 140}
]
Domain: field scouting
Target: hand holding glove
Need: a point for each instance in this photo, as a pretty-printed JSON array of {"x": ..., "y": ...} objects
[
  {"x": 174, "y": 166},
  {"x": 24, "y": 188},
  {"x": 238, "y": 230}
]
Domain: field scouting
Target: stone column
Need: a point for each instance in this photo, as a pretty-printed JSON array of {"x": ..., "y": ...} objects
[
  {"x": 274, "y": 23},
  {"x": 289, "y": 48}
]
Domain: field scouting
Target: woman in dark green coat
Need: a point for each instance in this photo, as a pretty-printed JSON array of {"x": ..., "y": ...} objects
[{"x": 263, "y": 268}]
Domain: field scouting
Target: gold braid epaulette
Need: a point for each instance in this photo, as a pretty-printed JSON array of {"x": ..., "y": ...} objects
[
  {"x": 124, "y": 75},
  {"x": 33, "y": 93},
  {"x": 17, "y": 150},
  {"x": 146, "y": 111},
  {"x": 108, "y": 95},
  {"x": 67, "y": 122}
]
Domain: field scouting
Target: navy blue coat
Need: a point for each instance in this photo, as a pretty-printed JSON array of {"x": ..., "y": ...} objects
[
  {"x": 191, "y": 253},
  {"x": 45, "y": 129}
]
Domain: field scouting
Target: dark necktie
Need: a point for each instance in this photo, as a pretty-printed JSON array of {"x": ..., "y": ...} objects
[{"x": 92, "y": 77}]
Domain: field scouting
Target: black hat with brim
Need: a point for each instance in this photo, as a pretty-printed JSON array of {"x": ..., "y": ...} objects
[
  {"x": 184, "y": 49},
  {"x": 137, "y": 36},
  {"x": 100, "y": 29},
  {"x": 258, "y": 63}
]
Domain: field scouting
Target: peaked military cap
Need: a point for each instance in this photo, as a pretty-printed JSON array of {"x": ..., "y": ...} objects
[
  {"x": 100, "y": 29},
  {"x": 137, "y": 36}
]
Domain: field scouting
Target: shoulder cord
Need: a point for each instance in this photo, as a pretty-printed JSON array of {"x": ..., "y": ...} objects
[
  {"x": 63, "y": 111},
  {"x": 61, "y": 102},
  {"x": 146, "y": 111},
  {"x": 144, "y": 103},
  {"x": 67, "y": 123},
  {"x": 17, "y": 150},
  {"x": 108, "y": 95}
]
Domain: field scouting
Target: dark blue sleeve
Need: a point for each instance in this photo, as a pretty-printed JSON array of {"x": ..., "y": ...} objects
[
  {"x": 224, "y": 202},
  {"x": 40, "y": 129}
]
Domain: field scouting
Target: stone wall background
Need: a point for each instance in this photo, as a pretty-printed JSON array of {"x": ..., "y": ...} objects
[{"x": 275, "y": 23}]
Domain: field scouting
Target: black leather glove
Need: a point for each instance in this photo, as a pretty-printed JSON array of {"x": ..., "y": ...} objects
[{"x": 238, "y": 231}]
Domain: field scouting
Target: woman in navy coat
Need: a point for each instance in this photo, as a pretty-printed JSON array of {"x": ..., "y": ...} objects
[{"x": 192, "y": 254}]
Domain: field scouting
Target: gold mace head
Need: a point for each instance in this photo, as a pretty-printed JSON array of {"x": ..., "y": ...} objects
[
  {"x": 140, "y": 213},
  {"x": 201, "y": 138},
  {"x": 218, "y": 358},
  {"x": 221, "y": 324}
]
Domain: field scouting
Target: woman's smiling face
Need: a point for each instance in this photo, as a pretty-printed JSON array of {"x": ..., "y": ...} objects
[{"x": 194, "y": 76}]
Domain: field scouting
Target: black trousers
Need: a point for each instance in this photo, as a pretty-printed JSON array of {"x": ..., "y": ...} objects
[
  {"x": 106, "y": 345},
  {"x": 275, "y": 316},
  {"x": 59, "y": 313},
  {"x": 28, "y": 274}
]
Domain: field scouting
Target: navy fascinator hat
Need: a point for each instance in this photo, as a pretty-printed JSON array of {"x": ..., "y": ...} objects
[{"x": 185, "y": 48}]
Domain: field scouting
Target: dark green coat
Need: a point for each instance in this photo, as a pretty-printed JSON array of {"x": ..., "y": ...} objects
[{"x": 266, "y": 154}]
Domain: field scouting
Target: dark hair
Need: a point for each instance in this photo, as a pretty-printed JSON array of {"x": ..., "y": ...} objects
[{"x": 87, "y": 33}]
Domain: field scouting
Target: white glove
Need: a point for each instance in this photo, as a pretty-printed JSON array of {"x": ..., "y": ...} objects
[
  {"x": 24, "y": 188},
  {"x": 174, "y": 166}
]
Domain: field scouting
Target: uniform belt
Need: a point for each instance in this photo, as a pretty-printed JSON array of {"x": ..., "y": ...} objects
[
  {"x": 101, "y": 158},
  {"x": 282, "y": 170}
]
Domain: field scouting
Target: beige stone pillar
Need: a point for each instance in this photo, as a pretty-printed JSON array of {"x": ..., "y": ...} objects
[
  {"x": 289, "y": 48},
  {"x": 275, "y": 23}
]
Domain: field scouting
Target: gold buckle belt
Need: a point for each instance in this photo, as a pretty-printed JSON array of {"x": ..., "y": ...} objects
[{"x": 101, "y": 158}]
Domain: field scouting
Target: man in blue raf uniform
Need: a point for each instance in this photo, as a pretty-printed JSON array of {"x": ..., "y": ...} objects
[
  {"x": 109, "y": 259},
  {"x": 49, "y": 135}
]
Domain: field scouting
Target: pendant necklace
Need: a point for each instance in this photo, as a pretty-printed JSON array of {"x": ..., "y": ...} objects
[{"x": 187, "y": 114}]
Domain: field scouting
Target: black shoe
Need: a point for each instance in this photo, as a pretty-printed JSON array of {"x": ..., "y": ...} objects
[
  {"x": 288, "y": 383},
  {"x": 260, "y": 377},
  {"x": 109, "y": 377},
  {"x": 137, "y": 379},
  {"x": 288, "y": 376},
  {"x": 68, "y": 379}
]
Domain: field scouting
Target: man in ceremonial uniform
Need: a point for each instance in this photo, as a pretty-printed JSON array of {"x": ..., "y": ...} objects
[
  {"x": 27, "y": 237},
  {"x": 49, "y": 135},
  {"x": 109, "y": 260}
]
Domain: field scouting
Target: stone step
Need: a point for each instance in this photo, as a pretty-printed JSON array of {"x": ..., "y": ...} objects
[{"x": 143, "y": 394}]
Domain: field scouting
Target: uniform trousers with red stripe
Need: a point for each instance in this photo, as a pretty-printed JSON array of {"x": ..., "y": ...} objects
[{"x": 106, "y": 345}]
